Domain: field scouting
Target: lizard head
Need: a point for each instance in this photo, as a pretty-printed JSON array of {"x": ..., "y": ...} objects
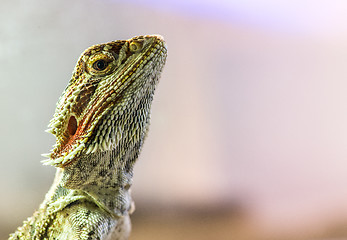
[{"x": 108, "y": 83}]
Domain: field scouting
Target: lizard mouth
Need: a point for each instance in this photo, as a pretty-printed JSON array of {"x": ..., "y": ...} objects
[{"x": 82, "y": 130}]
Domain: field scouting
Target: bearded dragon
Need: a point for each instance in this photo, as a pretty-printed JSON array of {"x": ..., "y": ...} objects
[{"x": 100, "y": 124}]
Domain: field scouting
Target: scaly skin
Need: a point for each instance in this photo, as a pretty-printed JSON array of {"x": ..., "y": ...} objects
[{"x": 100, "y": 124}]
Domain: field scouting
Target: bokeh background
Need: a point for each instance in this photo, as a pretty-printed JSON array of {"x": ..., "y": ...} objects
[{"x": 249, "y": 123}]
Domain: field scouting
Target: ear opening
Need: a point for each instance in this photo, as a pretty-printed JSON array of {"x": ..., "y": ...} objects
[{"x": 72, "y": 125}]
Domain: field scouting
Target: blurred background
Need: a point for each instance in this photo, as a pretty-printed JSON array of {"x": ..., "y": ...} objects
[{"x": 249, "y": 122}]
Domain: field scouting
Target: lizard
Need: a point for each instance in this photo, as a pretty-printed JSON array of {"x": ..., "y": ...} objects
[{"x": 100, "y": 123}]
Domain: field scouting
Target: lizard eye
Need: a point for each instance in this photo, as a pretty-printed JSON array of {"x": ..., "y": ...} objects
[
  {"x": 100, "y": 65},
  {"x": 135, "y": 46}
]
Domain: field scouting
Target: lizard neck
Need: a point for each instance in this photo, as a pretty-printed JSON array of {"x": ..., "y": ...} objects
[
  {"x": 103, "y": 180},
  {"x": 105, "y": 177}
]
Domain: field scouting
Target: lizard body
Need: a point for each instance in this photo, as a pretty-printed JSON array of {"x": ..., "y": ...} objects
[{"x": 100, "y": 124}]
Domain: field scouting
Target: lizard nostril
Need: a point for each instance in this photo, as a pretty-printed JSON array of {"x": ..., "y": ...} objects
[{"x": 72, "y": 125}]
